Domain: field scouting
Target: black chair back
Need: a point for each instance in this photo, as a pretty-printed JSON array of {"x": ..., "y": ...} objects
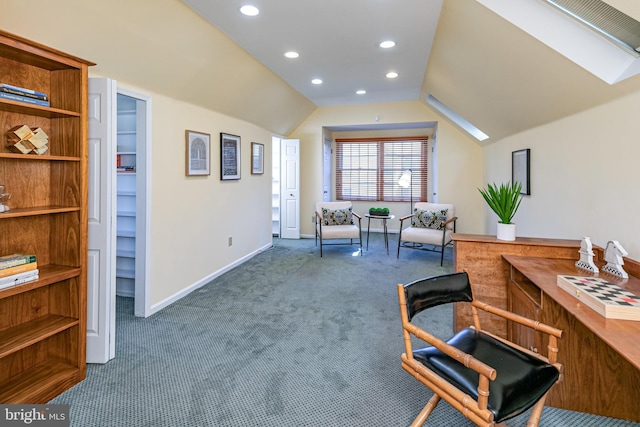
[{"x": 433, "y": 291}]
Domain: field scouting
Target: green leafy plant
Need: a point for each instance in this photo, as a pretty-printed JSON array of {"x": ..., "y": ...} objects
[{"x": 504, "y": 200}]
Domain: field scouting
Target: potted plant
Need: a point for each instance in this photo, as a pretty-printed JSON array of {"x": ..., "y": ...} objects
[{"x": 504, "y": 201}]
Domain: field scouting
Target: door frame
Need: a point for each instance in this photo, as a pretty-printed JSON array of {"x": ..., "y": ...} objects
[{"x": 142, "y": 300}]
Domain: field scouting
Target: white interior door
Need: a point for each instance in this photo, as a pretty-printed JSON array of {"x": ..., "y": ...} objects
[
  {"x": 101, "y": 263},
  {"x": 290, "y": 189}
]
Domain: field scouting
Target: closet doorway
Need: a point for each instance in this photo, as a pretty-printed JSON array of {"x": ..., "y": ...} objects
[
  {"x": 118, "y": 209},
  {"x": 132, "y": 182}
]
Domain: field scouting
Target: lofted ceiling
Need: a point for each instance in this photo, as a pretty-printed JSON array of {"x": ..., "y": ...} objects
[
  {"x": 489, "y": 71},
  {"x": 338, "y": 42}
]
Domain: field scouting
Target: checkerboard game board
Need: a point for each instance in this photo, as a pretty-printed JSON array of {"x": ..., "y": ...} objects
[{"x": 605, "y": 297}]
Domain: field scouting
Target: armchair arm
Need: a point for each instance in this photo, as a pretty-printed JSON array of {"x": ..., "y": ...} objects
[
  {"x": 405, "y": 217},
  {"x": 356, "y": 215},
  {"x": 460, "y": 356},
  {"x": 533, "y": 324},
  {"x": 553, "y": 333},
  {"x": 450, "y": 220}
]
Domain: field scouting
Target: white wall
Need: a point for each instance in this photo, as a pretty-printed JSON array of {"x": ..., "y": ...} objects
[
  {"x": 161, "y": 47},
  {"x": 459, "y": 159},
  {"x": 584, "y": 176},
  {"x": 193, "y": 217}
]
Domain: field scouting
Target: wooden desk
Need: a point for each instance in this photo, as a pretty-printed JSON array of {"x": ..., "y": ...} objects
[
  {"x": 481, "y": 257},
  {"x": 601, "y": 357}
]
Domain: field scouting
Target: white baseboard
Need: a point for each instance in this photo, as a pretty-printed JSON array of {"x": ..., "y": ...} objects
[{"x": 200, "y": 283}]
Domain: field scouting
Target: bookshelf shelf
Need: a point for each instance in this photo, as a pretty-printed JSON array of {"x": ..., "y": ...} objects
[
  {"x": 57, "y": 375},
  {"x": 125, "y": 274},
  {"x": 43, "y": 323},
  {"x": 122, "y": 253},
  {"x": 29, "y": 333},
  {"x": 35, "y": 110},
  {"x": 48, "y": 274},
  {"x": 36, "y": 157},
  {"x": 45, "y": 210},
  {"x": 125, "y": 233}
]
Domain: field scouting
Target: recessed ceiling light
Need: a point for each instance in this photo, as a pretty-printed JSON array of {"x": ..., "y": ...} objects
[
  {"x": 316, "y": 81},
  {"x": 291, "y": 54},
  {"x": 361, "y": 92},
  {"x": 249, "y": 10},
  {"x": 392, "y": 75},
  {"x": 387, "y": 44}
]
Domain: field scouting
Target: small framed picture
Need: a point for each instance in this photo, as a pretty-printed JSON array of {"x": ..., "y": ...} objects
[
  {"x": 229, "y": 156},
  {"x": 520, "y": 170},
  {"x": 257, "y": 158},
  {"x": 198, "y": 160}
]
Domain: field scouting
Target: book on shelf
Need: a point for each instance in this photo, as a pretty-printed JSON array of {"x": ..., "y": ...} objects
[
  {"x": 125, "y": 169},
  {"x": 21, "y": 93},
  {"x": 16, "y": 259},
  {"x": 24, "y": 99},
  {"x": 20, "y": 278},
  {"x": 17, "y": 269},
  {"x": 22, "y": 89}
]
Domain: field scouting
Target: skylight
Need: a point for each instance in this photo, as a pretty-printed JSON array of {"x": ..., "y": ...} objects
[
  {"x": 607, "y": 20},
  {"x": 456, "y": 118},
  {"x": 588, "y": 32}
]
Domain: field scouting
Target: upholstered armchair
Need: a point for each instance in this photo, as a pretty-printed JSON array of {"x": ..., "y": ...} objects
[
  {"x": 337, "y": 221},
  {"x": 430, "y": 228}
]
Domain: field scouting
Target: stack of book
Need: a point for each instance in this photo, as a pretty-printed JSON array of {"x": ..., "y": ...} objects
[
  {"x": 21, "y": 94},
  {"x": 17, "y": 269},
  {"x": 27, "y": 140},
  {"x": 125, "y": 169}
]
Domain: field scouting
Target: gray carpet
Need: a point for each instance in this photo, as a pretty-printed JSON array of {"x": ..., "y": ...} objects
[{"x": 286, "y": 339}]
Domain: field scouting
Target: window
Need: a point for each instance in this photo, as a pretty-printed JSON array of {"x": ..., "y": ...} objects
[{"x": 369, "y": 168}]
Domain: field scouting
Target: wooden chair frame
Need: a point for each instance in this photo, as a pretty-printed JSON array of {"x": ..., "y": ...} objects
[{"x": 475, "y": 410}]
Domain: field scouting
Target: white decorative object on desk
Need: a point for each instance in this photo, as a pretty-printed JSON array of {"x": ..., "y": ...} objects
[
  {"x": 613, "y": 254},
  {"x": 586, "y": 256},
  {"x": 4, "y": 207}
]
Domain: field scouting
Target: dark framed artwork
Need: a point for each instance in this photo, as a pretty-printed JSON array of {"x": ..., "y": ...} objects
[
  {"x": 198, "y": 153},
  {"x": 520, "y": 169},
  {"x": 229, "y": 156},
  {"x": 257, "y": 158}
]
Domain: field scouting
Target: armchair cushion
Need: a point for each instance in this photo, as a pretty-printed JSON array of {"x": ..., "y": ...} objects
[
  {"x": 429, "y": 219},
  {"x": 337, "y": 216}
]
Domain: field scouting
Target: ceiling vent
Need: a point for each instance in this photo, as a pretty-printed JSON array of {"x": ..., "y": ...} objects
[{"x": 605, "y": 19}]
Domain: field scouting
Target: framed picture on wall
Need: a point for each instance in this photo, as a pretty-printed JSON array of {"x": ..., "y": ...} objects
[
  {"x": 229, "y": 156},
  {"x": 257, "y": 158},
  {"x": 198, "y": 153},
  {"x": 520, "y": 169}
]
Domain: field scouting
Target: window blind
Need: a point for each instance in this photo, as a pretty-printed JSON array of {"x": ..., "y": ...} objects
[{"x": 369, "y": 168}]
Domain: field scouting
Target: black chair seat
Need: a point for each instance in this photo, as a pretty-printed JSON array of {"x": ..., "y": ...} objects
[{"x": 521, "y": 380}]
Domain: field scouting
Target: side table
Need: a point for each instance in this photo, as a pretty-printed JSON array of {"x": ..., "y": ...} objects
[{"x": 384, "y": 219}]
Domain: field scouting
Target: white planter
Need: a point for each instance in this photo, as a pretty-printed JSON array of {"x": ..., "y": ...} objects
[{"x": 506, "y": 232}]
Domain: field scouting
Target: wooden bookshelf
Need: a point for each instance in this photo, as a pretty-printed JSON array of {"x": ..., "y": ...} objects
[{"x": 43, "y": 323}]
